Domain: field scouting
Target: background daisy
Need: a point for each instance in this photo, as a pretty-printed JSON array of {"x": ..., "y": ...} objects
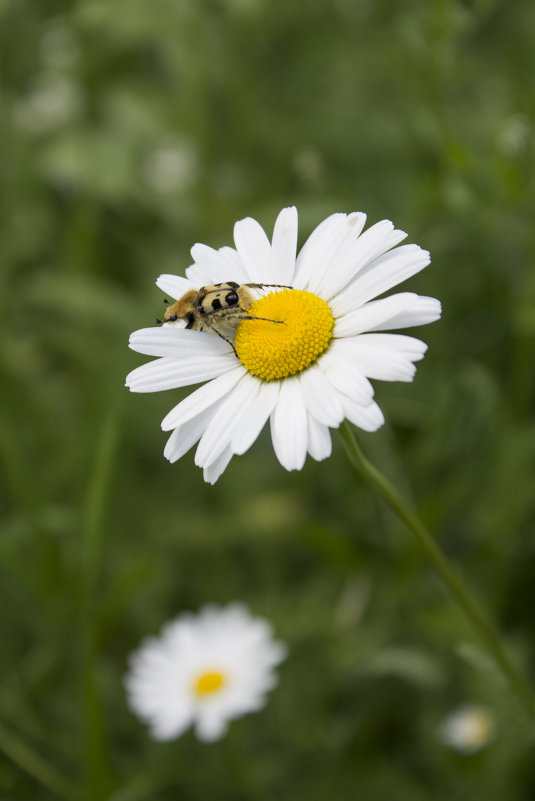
[
  {"x": 468, "y": 728},
  {"x": 203, "y": 670}
]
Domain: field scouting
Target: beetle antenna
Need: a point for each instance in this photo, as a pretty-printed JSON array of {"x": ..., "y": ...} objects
[
  {"x": 166, "y": 301},
  {"x": 259, "y": 286},
  {"x": 159, "y": 321}
]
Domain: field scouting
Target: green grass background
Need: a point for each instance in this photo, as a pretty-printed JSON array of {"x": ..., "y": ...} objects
[{"x": 129, "y": 131}]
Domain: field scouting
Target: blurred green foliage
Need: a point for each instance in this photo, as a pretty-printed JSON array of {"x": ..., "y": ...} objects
[{"x": 131, "y": 130}]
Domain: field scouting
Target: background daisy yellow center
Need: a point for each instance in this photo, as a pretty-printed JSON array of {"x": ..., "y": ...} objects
[
  {"x": 208, "y": 682},
  {"x": 476, "y": 729},
  {"x": 272, "y": 351}
]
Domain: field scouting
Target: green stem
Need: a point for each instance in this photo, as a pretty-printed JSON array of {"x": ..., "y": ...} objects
[
  {"x": 446, "y": 570},
  {"x": 34, "y": 765},
  {"x": 99, "y": 773}
]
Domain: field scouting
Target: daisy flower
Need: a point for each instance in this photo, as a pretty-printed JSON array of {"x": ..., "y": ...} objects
[
  {"x": 306, "y": 375},
  {"x": 203, "y": 670},
  {"x": 468, "y": 729}
]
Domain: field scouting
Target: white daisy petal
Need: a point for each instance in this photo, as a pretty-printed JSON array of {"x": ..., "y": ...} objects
[
  {"x": 253, "y": 417},
  {"x": 379, "y": 276},
  {"x": 369, "y": 418},
  {"x": 199, "y": 275},
  {"x": 226, "y": 420},
  {"x": 289, "y": 426},
  {"x": 187, "y": 434},
  {"x": 173, "y": 727},
  {"x": 273, "y": 651},
  {"x": 339, "y": 368},
  {"x": 388, "y": 357},
  {"x": 169, "y": 373},
  {"x": 254, "y": 249},
  {"x": 337, "y": 271},
  {"x": 321, "y": 398},
  {"x": 210, "y": 727},
  {"x": 403, "y": 310},
  {"x": 214, "y": 470},
  {"x": 203, "y": 670},
  {"x": 284, "y": 245},
  {"x": 218, "y": 265},
  {"x": 356, "y": 253},
  {"x": 174, "y": 285},
  {"x": 232, "y": 258},
  {"x": 176, "y": 342},
  {"x": 310, "y": 263},
  {"x": 422, "y": 311},
  {"x": 202, "y": 398},
  {"x": 319, "y": 440},
  {"x": 210, "y": 262}
]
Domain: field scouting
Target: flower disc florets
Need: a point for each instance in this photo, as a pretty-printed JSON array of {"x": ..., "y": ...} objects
[
  {"x": 275, "y": 350},
  {"x": 208, "y": 682}
]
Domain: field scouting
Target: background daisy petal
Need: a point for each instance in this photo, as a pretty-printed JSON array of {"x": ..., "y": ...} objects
[
  {"x": 164, "y": 731},
  {"x": 210, "y": 727}
]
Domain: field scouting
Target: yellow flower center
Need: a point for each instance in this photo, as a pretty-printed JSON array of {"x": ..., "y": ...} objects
[
  {"x": 208, "y": 683},
  {"x": 274, "y": 350},
  {"x": 476, "y": 729}
]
